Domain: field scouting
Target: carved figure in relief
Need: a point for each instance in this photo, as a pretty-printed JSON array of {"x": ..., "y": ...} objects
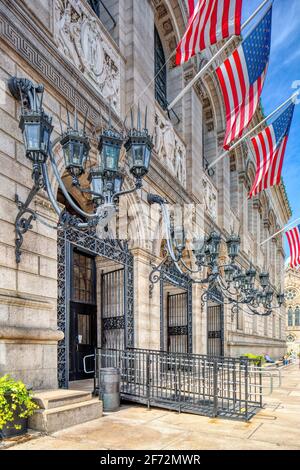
[
  {"x": 158, "y": 136},
  {"x": 169, "y": 145},
  {"x": 169, "y": 148}
]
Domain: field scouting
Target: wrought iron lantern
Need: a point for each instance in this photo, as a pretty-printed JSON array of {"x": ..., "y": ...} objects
[
  {"x": 233, "y": 246},
  {"x": 105, "y": 180},
  {"x": 264, "y": 279},
  {"x": 110, "y": 145},
  {"x": 36, "y": 127},
  {"x": 139, "y": 147},
  {"x": 213, "y": 246},
  {"x": 76, "y": 147},
  {"x": 237, "y": 286}
]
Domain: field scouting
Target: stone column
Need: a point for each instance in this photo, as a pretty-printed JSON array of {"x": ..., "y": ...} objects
[
  {"x": 146, "y": 310},
  {"x": 199, "y": 321}
]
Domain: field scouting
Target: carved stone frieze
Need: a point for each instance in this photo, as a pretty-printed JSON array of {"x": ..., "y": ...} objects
[
  {"x": 210, "y": 198},
  {"x": 169, "y": 148},
  {"x": 80, "y": 39}
]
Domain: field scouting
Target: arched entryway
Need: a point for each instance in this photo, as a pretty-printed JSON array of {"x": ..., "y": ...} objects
[{"x": 95, "y": 298}]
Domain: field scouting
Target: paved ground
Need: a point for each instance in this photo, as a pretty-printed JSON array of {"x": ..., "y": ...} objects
[{"x": 135, "y": 427}]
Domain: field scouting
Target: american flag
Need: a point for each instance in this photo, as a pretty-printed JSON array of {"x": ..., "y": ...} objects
[
  {"x": 242, "y": 77},
  {"x": 211, "y": 21},
  {"x": 269, "y": 146},
  {"x": 293, "y": 237}
]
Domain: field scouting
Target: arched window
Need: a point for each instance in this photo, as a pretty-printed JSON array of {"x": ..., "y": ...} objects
[
  {"x": 290, "y": 317},
  {"x": 160, "y": 71},
  {"x": 297, "y": 316}
]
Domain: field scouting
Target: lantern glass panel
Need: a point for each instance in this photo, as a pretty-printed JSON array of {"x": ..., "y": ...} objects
[
  {"x": 32, "y": 136},
  {"x": 137, "y": 153},
  {"x": 46, "y": 139},
  {"x": 118, "y": 184},
  {"x": 111, "y": 154},
  {"x": 77, "y": 154},
  {"x": 67, "y": 149},
  {"x": 97, "y": 184}
]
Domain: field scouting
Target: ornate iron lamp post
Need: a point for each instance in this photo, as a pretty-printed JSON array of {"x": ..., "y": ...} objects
[
  {"x": 236, "y": 285},
  {"x": 105, "y": 180}
]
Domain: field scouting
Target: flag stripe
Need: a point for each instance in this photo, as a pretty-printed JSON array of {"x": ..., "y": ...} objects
[
  {"x": 210, "y": 22},
  {"x": 293, "y": 237}
]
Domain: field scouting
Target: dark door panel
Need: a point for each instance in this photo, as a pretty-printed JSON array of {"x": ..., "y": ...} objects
[
  {"x": 83, "y": 313},
  {"x": 112, "y": 310},
  {"x": 177, "y": 316},
  {"x": 215, "y": 341}
]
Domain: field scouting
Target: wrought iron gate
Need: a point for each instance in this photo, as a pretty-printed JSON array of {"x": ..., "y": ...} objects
[
  {"x": 211, "y": 386},
  {"x": 177, "y": 318},
  {"x": 176, "y": 326},
  {"x": 215, "y": 343},
  {"x": 112, "y": 309}
]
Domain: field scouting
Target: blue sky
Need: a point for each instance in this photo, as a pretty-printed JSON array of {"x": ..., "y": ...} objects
[{"x": 284, "y": 69}]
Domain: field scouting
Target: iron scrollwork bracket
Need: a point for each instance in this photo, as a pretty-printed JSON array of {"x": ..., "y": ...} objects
[
  {"x": 25, "y": 215},
  {"x": 23, "y": 90},
  {"x": 155, "y": 275}
]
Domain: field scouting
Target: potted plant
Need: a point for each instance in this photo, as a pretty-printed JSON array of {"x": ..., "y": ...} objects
[{"x": 16, "y": 405}]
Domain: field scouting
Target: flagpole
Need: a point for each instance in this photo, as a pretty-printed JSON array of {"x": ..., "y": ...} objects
[
  {"x": 280, "y": 231},
  {"x": 218, "y": 53},
  {"x": 254, "y": 129}
]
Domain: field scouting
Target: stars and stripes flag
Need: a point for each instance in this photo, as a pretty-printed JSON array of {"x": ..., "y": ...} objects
[
  {"x": 269, "y": 147},
  {"x": 293, "y": 237},
  {"x": 210, "y": 22},
  {"x": 242, "y": 77}
]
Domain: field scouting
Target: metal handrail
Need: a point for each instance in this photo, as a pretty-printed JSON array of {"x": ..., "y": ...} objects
[{"x": 84, "y": 364}]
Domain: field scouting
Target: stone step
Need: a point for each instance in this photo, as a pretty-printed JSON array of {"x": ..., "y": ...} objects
[
  {"x": 55, "y": 419},
  {"x": 48, "y": 399}
]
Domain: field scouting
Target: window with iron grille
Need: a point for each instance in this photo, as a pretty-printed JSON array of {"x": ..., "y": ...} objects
[
  {"x": 290, "y": 317},
  {"x": 160, "y": 71},
  {"x": 297, "y": 316}
]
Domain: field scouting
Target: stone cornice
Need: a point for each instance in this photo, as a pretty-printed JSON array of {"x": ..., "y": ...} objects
[
  {"x": 36, "y": 335},
  {"x": 27, "y": 302}
]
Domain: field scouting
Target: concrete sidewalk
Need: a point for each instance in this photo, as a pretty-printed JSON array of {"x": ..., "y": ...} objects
[{"x": 276, "y": 427}]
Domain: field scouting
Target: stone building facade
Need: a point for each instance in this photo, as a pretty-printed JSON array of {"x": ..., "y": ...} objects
[
  {"x": 87, "y": 62},
  {"x": 292, "y": 296}
]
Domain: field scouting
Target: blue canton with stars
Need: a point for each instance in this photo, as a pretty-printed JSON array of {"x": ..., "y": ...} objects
[
  {"x": 257, "y": 47},
  {"x": 283, "y": 123}
]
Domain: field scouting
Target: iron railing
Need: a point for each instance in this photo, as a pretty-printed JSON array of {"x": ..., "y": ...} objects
[{"x": 211, "y": 386}]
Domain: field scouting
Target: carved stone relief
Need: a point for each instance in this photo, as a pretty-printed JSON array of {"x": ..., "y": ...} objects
[
  {"x": 169, "y": 148},
  {"x": 210, "y": 198},
  {"x": 79, "y": 37}
]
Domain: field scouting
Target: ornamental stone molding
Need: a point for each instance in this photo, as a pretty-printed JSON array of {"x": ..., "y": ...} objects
[
  {"x": 79, "y": 37},
  {"x": 169, "y": 147}
]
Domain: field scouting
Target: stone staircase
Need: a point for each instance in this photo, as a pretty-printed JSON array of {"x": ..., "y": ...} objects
[{"x": 60, "y": 409}]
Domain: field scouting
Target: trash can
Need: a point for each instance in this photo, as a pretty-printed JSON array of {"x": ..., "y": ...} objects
[{"x": 109, "y": 388}]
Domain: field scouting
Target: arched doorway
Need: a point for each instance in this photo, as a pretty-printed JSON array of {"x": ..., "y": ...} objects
[{"x": 95, "y": 298}]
